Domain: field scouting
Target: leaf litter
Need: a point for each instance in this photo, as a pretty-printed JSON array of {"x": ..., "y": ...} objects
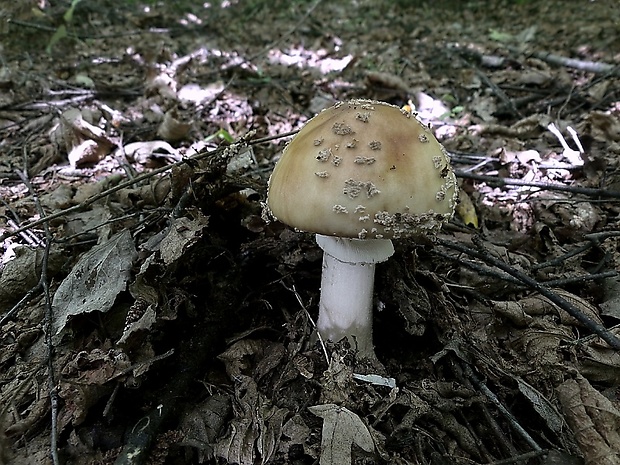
[{"x": 183, "y": 321}]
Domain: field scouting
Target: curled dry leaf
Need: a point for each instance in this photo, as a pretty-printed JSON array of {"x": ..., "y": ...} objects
[
  {"x": 172, "y": 129},
  {"x": 523, "y": 312},
  {"x": 602, "y": 126},
  {"x": 594, "y": 420},
  {"x": 22, "y": 273},
  {"x": 255, "y": 432},
  {"x": 142, "y": 152},
  {"x": 204, "y": 423},
  {"x": 84, "y": 142},
  {"x": 600, "y": 363},
  {"x": 387, "y": 80},
  {"x": 182, "y": 235}
]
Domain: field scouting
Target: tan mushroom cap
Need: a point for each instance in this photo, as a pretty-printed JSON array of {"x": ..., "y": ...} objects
[{"x": 363, "y": 169}]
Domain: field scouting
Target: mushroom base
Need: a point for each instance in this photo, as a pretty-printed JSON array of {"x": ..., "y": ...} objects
[{"x": 345, "y": 308}]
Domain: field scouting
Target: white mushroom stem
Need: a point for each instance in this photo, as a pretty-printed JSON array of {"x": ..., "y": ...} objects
[{"x": 347, "y": 282}]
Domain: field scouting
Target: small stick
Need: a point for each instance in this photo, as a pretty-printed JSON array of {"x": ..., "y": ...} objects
[
  {"x": 542, "y": 185},
  {"x": 131, "y": 182},
  {"x": 493, "y": 398},
  {"x": 44, "y": 284},
  {"x": 582, "y": 65},
  {"x": 573, "y": 311}
]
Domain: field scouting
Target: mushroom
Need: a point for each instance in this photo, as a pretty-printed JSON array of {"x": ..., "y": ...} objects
[{"x": 359, "y": 174}]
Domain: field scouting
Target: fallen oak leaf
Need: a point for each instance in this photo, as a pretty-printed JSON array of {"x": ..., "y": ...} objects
[{"x": 341, "y": 430}]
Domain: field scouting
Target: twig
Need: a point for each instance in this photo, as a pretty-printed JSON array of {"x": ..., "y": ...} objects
[
  {"x": 493, "y": 398},
  {"x": 23, "y": 301},
  {"x": 481, "y": 269},
  {"x": 44, "y": 284},
  {"x": 503, "y": 441},
  {"x": 501, "y": 95},
  {"x": 580, "y": 279},
  {"x": 582, "y": 65},
  {"x": 307, "y": 313},
  {"x": 494, "y": 180},
  {"x": 562, "y": 258},
  {"x": 595, "y": 240},
  {"x": 573, "y": 311},
  {"x": 507, "y": 101},
  {"x": 596, "y": 237},
  {"x": 130, "y": 182},
  {"x": 521, "y": 458},
  {"x": 135, "y": 366}
]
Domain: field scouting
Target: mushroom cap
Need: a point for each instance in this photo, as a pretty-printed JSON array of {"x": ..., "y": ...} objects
[{"x": 363, "y": 169}]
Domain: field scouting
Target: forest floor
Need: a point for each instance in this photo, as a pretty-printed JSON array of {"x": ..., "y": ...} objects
[{"x": 149, "y": 313}]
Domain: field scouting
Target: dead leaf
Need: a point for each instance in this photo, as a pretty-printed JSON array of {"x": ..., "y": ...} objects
[
  {"x": 203, "y": 424},
  {"x": 182, "y": 234},
  {"x": 21, "y": 273},
  {"x": 594, "y": 420},
  {"x": 341, "y": 430},
  {"x": 543, "y": 407},
  {"x": 95, "y": 281},
  {"x": 598, "y": 362},
  {"x": 391, "y": 81},
  {"x": 84, "y": 142},
  {"x": 521, "y": 313},
  {"x": 466, "y": 210},
  {"x": 336, "y": 380},
  {"x": 172, "y": 129},
  {"x": 141, "y": 152},
  {"x": 255, "y": 431},
  {"x": 602, "y": 126}
]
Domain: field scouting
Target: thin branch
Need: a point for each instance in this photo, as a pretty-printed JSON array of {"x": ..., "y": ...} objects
[
  {"x": 580, "y": 279},
  {"x": 573, "y": 311},
  {"x": 595, "y": 67},
  {"x": 44, "y": 284},
  {"x": 521, "y": 458},
  {"x": 562, "y": 258},
  {"x": 493, "y": 398},
  {"x": 131, "y": 182},
  {"x": 494, "y": 180},
  {"x": 22, "y": 302}
]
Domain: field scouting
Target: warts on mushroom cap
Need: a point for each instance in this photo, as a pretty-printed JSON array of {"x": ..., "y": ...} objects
[
  {"x": 342, "y": 129},
  {"x": 324, "y": 154},
  {"x": 364, "y": 160},
  {"x": 375, "y": 148},
  {"x": 353, "y": 188},
  {"x": 363, "y": 117}
]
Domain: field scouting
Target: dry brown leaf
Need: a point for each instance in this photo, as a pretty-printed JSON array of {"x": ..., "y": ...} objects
[
  {"x": 599, "y": 362},
  {"x": 603, "y": 126},
  {"x": 594, "y": 420},
  {"x": 255, "y": 431},
  {"x": 341, "y": 430},
  {"x": 172, "y": 129},
  {"x": 84, "y": 142},
  {"x": 522, "y": 313},
  {"x": 95, "y": 281},
  {"x": 391, "y": 81}
]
